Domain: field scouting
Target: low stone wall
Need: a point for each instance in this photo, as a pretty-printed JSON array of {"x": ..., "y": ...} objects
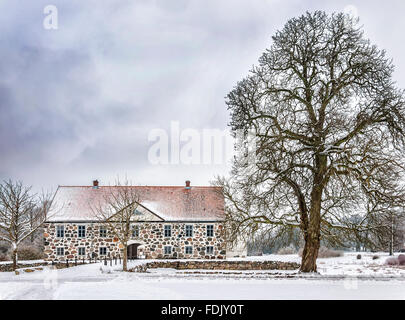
[
  {"x": 220, "y": 265},
  {"x": 8, "y": 267},
  {"x": 28, "y": 270}
]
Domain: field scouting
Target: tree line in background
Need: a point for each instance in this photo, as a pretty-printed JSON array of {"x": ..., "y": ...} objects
[{"x": 291, "y": 241}]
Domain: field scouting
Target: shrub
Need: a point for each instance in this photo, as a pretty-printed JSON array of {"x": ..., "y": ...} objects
[
  {"x": 29, "y": 253},
  {"x": 329, "y": 253},
  {"x": 392, "y": 261},
  {"x": 286, "y": 250},
  {"x": 375, "y": 257},
  {"x": 358, "y": 257},
  {"x": 4, "y": 257},
  {"x": 3, "y": 248},
  {"x": 325, "y": 252},
  {"x": 401, "y": 259},
  {"x": 255, "y": 253}
]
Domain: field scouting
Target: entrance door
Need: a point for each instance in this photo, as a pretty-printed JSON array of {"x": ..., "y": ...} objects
[{"x": 132, "y": 251}]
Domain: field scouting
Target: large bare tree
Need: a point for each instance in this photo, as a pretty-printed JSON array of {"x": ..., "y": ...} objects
[
  {"x": 21, "y": 214},
  {"x": 118, "y": 211},
  {"x": 329, "y": 125}
]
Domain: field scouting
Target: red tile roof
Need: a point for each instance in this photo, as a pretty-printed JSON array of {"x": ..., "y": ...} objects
[{"x": 76, "y": 203}]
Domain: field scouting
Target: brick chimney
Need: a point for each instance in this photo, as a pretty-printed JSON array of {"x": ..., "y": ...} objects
[
  {"x": 188, "y": 184},
  {"x": 95, "y": 184}
]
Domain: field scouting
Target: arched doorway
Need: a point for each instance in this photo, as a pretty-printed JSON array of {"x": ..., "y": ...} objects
[{"x": 132, "y": 251}]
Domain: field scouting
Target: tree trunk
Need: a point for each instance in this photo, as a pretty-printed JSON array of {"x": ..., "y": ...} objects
[
  {"x": 125, "y": 259},
  {"x": 14, "y": 259},
  {"x": 392, "y": 239},
  {"x": 310, "y": 253},
  {"x": 313, "y": 233}
]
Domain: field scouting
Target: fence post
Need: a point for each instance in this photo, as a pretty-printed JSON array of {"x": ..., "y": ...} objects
[
  {"x": 76, "y": 262},
  {"x": 105, "y": 261},
  {"x": 67, "y": 263},
  {"x": 110, "y": 262}
]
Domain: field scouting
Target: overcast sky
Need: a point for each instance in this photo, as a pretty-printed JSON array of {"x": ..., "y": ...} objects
[{"x": 78, "y": 103}]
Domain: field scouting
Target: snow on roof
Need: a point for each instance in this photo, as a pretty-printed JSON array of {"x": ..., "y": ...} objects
[{"x": 77, "y": 203}]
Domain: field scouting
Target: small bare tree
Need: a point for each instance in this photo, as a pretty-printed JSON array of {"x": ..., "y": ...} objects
[
  {"x": 21, "y": 213},
  {"x": 118, "y": 210},
  {"x": 387, "y": 236}
]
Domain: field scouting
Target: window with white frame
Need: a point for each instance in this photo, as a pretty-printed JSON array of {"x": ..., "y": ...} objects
[
  {"x": 210, "y": 230},
  {"x": 189, "y": 230},
  {"x": 60, "y": 231},
  {"x": 82, "y": 251},
  {"x": 103, "y": 231},
  {"x": 168, "y": 230},
  {"x": 103, "y": 251},
  {"x": 135, "y": 231},
  {"x": 210, "y": 250},
  {"x": 81, "y": 231},
  {"x": 60, "y": 251},
  {"x": 168, "y": 250},
  {"x": 189, "y": 250}
]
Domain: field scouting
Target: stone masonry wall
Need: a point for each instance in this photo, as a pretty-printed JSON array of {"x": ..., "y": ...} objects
[
  {"x": 151, "y": 237},
  {"x": 221, "y": 265}
]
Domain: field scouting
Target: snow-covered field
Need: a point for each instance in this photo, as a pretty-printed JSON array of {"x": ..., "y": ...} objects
[{"x": 338, "y": 278}]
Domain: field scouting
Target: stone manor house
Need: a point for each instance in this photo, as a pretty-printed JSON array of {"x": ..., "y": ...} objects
[{"x": 184, "y": 222}]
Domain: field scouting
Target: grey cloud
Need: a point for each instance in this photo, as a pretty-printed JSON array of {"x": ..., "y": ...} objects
[{"x": 78, "y": 102}]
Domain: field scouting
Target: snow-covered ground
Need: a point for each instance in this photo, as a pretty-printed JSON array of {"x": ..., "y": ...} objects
[
  {"x": 338, "y": 278},
  {"x": 348, "y": 265}
]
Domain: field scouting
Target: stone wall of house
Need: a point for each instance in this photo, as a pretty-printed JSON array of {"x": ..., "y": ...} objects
[{"x": 151, "y": 238}]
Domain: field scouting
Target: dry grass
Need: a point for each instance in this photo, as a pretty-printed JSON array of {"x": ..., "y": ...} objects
[
  {"x": 325, "y": 252},
  {"x": 286, "y": 250},
  {"x": 392, "y": 261},
  {"x": 29, "y": 253}
]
